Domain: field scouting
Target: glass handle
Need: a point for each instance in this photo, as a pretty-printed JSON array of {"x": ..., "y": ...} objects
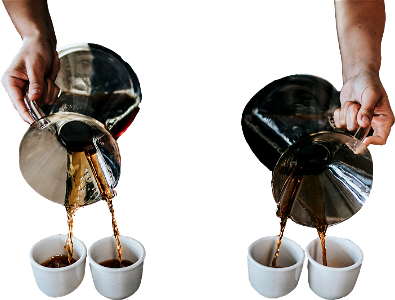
[
  {"x": 35, "y": 112},
  {"x": 362, "y": 133}
]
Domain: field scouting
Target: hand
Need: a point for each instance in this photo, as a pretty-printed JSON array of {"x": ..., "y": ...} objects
[
  {"x": 33, "y": 72},
  {"x": 364, "y": 102}
]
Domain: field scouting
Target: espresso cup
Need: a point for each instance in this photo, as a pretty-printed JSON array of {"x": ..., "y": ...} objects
[
  {"x": 274, "y": 282},
  {"x": 57, "y": 282},
  {"x": 116, "y": 283},
  {"x": 338, "y": 278}
]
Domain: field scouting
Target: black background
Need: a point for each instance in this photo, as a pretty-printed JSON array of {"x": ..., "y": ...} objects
[{"x": 191, "y": 189}]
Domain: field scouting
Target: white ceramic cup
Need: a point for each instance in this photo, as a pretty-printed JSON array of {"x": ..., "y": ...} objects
[
  {"x": 338, "y": 278},
  {"x": 57, "y": 282},
  {"x": 274, "y": 282},
  {"x": 116, "y": 283}
]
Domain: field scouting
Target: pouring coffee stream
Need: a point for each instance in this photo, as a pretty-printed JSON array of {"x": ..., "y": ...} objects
[
  {"x": 311, "y": 160},
  {"x": 77, "y": 137}
]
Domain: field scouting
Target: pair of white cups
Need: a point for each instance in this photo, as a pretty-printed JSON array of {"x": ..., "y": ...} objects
[
  {"x": 333, "y": 281},
  {"x": 113, "y": 283}
]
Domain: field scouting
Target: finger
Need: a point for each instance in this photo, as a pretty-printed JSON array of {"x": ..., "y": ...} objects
[
  {"x": 52, "y": 93},
  {"x": 23, "y": 112},
  {"x": 369, "y": 99},
  {"x": 343, "y": 114},
  {"x": 19, "y": 104},
  {"x": 15, "y": 91},
  {"x": 382, "y": 129},
  {"x": 55, "y": 66},
  {"x": 374, "y": 140},
  {"x": 49, "y": 91},
  {"x": 36, "y": 92},
  {"x": 55, "y": 94},
  {"x": 351, "y": 116},
  {"x": 36, "y": 73},
  {"x": 336, "y": 117}
]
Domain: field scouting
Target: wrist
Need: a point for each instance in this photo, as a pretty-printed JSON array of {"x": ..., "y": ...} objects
[
  {"x": 43, "y": 36},
  {"x": 360, "y": 67}
]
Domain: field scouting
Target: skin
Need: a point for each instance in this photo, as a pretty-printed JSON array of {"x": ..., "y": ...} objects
[
  {"x": 364, "y": 101},
  {"x": 360, "y": 27},
  {"x": 33, "y": 71}
]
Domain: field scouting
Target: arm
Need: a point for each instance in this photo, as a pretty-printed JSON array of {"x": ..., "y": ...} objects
[
  {"x": 35, "y": 67},
  {"x": 360, "y": 28},
  {"x": 31, "y": 18},
  {"x": 364, "y": 102}
]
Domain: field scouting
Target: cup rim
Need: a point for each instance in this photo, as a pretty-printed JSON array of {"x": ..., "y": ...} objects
[
  {"x": 124, "y": 269},
  {"x": 355, "y": 265},
  {"x": 270, "y": 269},
  {"x": 74, "y": 265}
]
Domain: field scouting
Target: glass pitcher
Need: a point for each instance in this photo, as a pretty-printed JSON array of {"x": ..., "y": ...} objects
[
  {"x": 320, "y": 175},
  {"x": 69, "y": 154}
]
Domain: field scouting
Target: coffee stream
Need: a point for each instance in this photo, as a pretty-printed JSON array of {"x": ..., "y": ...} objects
[
  {"x": 71, "y": 210},
  {"x": 107, "y": 193},
  {"x": 286, "y": 200},
  {"x": 77, "y": 180},
  {"x": 287, "y": 197},
  {"x": 321, "y": 232},
  {"x": 78, "y": 173},
  {"x": 280, "y": 237}
]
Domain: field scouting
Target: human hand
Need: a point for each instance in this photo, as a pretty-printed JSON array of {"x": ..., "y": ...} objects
[
  {"x": 32, "y": 72},
  {"x": 364, "y": 102}
]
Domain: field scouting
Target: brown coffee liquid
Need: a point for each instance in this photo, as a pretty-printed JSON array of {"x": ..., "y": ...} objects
[
  {"x": 287, "y": 198},
  {"x": 58, "y": 261},
  {"x": 83, "y": 161},
  {"x": 71, "y": 210},
  {"x": 114, "y": 263},
  {"x": 107, "y": 193},
  {"x": 77, "y": 181},
  {"x": 280, "y": 237},
  {"x": 317, "y": 215},
  {"x": 313, "y": 159},
  {"x": 321, "y": 233},
  {"x": 115, "y": 230}
]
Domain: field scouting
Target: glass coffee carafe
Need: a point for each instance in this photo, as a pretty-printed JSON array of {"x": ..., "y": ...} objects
[
  {"x": 69, "y": 154},
  {"x": 321, "y": 174}
]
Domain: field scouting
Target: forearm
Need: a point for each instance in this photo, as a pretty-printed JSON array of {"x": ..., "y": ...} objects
[
  {"x": 360, "y": 28},
  {"x": 31, "y": 19}
]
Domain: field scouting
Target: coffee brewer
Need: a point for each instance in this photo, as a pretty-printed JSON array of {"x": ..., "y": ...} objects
[
  {"x": 69, "y": 154},
  {"x": 289, "y": 127}
]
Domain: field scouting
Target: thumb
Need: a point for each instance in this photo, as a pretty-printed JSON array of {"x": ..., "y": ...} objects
[
  {"x": 370, "y": 98},
  {"x": 36, "y": 90}
]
